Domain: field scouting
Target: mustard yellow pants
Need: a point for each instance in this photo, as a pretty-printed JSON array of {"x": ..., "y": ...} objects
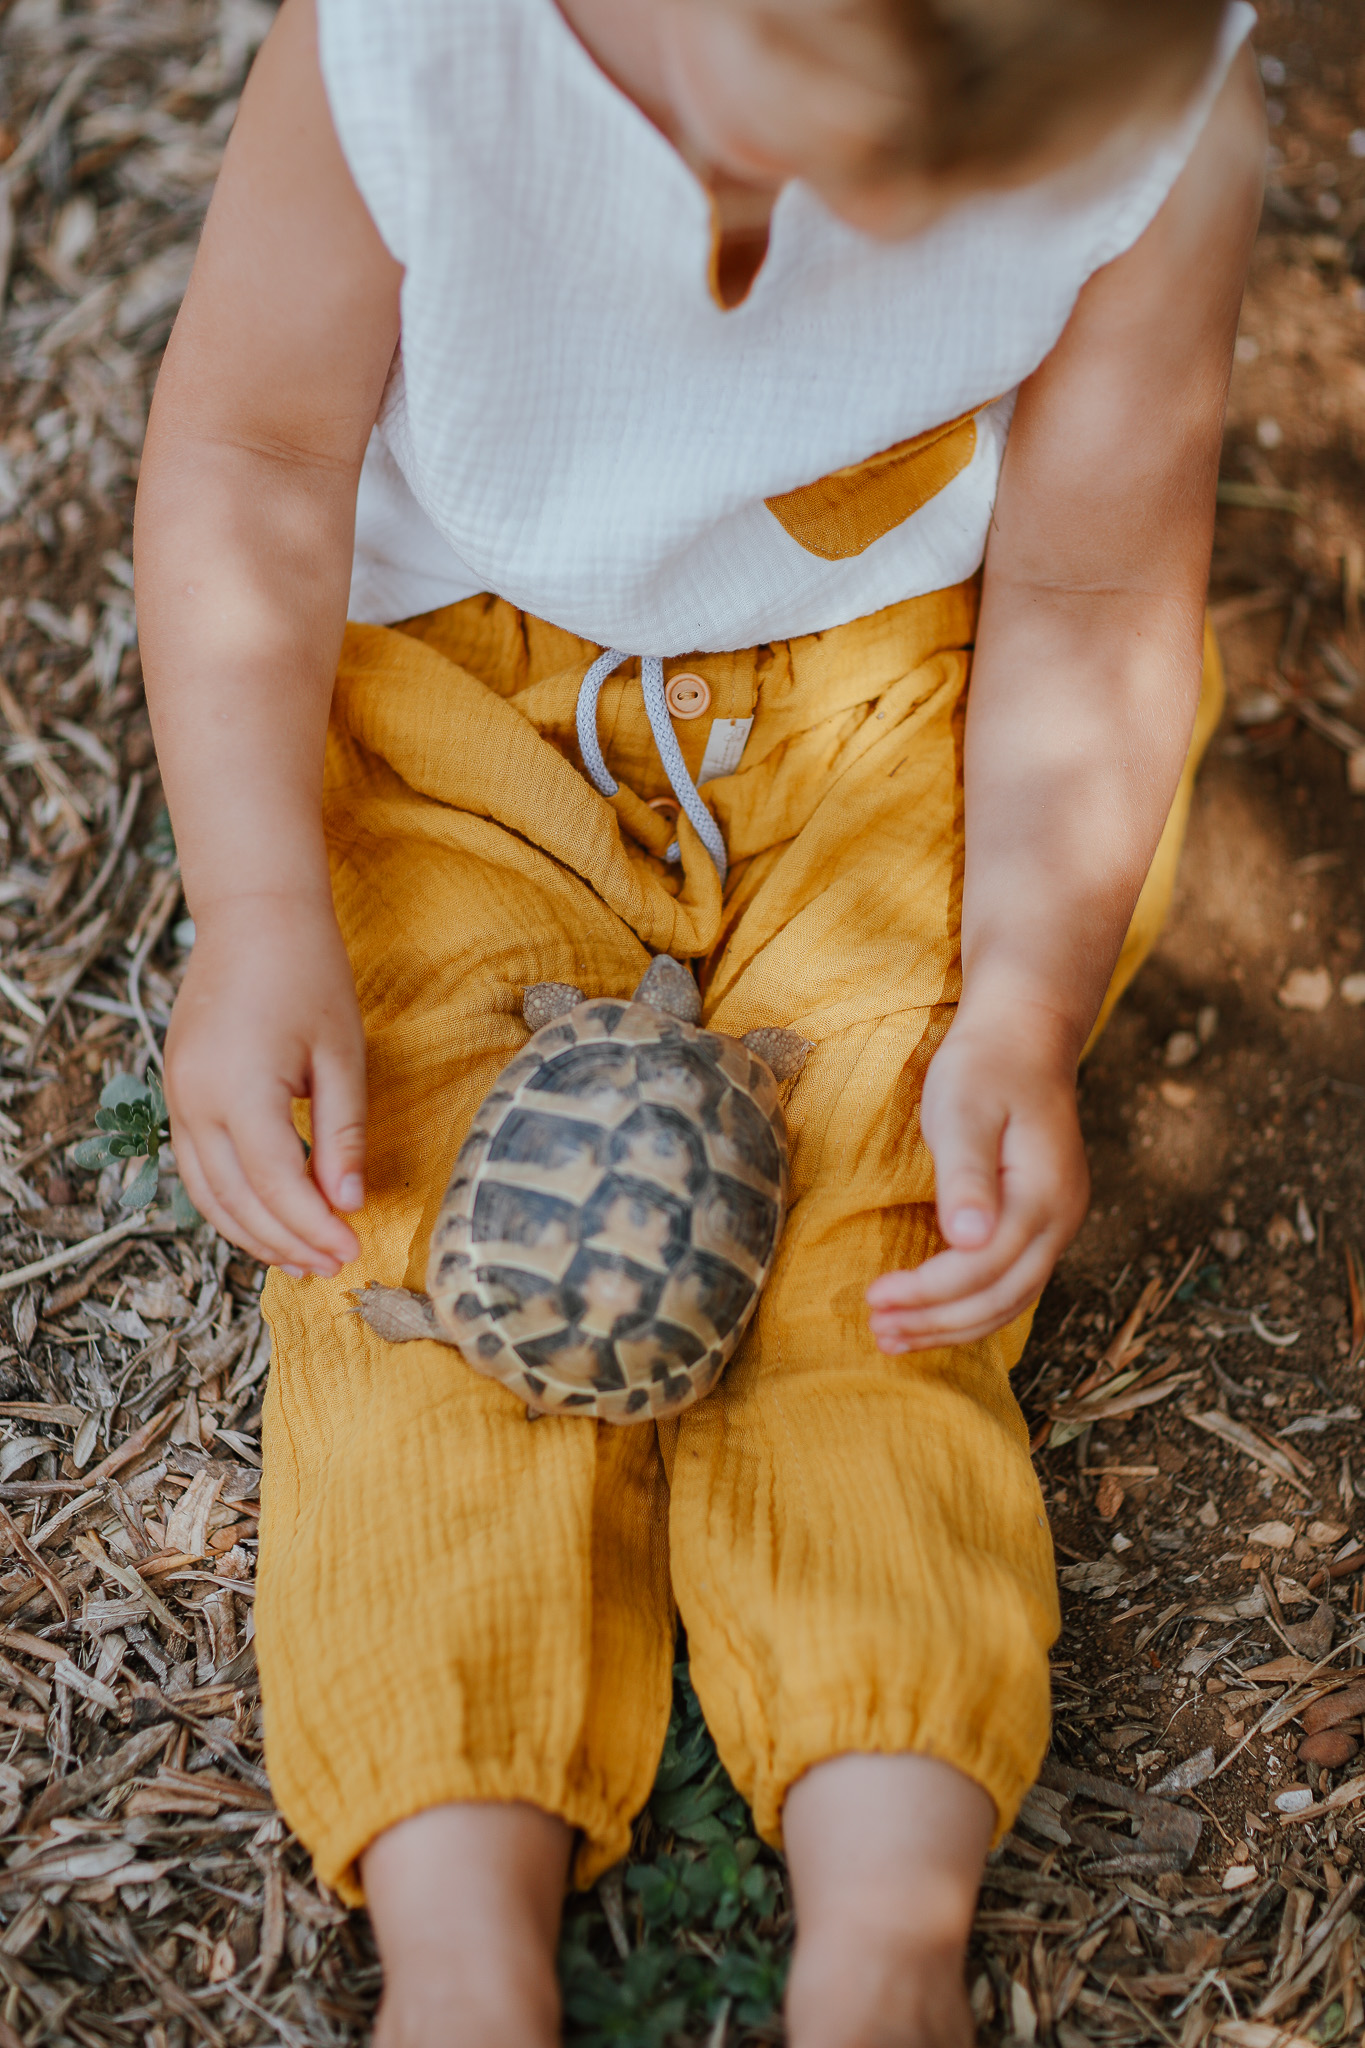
[{"x": 455, "y": 1604}]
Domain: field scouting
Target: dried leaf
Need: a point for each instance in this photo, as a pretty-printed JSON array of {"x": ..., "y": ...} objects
[
  {"x": 1250, "y": 1445},
  {"x": 69, "y": 1794},
  {"x": 187, "y": 1527},
  {"x": 1167, "y": 1835}
]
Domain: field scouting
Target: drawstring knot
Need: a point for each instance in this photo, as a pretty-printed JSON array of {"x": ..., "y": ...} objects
[{"x": 665, "y": 739}]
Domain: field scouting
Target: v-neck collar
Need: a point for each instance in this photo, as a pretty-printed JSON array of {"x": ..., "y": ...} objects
[{"x": 623, "y": 110}]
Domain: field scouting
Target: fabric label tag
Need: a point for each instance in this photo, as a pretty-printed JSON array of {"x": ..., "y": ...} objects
[{"x": 724, "y": 748}]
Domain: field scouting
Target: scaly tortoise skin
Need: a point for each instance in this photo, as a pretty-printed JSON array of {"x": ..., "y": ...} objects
[{"x": 615, "y": 1209}]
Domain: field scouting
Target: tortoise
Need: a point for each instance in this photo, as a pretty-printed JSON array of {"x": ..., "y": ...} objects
[{"x": 616, "y": 1207}]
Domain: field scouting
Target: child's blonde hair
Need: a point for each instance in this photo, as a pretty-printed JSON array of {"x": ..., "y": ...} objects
[{"x": 1003, "y": 80}]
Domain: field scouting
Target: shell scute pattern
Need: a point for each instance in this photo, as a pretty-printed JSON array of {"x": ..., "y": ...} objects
[{"x": 614, "y": 1213}]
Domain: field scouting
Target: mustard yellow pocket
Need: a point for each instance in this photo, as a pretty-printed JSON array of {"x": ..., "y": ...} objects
[{"x": 843, "y": 513}]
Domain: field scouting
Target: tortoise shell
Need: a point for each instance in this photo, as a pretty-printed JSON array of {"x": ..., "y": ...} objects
[{"x": 613, "y": 1213}]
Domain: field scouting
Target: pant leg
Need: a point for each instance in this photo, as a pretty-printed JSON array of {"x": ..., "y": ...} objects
[
  {"x": 454, "y": 1604},
  {"x": 860, "y": 1552}
]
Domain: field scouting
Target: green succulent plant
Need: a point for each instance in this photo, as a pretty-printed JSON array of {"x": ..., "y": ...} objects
[{"x": 132, "y": 1123}]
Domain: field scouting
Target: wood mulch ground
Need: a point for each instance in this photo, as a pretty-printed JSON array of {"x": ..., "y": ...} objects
[{"x": 1189, "y": 1868}]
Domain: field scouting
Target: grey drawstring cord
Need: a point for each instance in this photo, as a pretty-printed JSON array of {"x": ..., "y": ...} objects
[{"x": 665, "y": 739}]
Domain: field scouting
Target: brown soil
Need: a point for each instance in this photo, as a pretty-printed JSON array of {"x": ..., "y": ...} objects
[{"x": 1243, "y": 1162}]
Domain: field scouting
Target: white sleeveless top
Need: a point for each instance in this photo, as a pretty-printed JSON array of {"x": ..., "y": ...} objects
[{"x": 575, "y": 424}]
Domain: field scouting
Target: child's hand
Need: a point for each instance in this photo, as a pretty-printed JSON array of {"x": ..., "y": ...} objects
[
  {"x": 268, "y": 1013},
  {"x": 999, "y": 1115}
]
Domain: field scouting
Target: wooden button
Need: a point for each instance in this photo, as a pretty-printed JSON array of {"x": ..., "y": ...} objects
[
  {"x": 687, "y": 696},
  {"x": 667, "y": 807}
]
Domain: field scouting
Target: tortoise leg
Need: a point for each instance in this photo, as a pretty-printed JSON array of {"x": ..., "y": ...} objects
[
  {"x": 397, "y": 1315},
  {"x": 546, "y": 1000},
  {"x": 785, "y": 1052},
  {"x": 667, "y": 985}
]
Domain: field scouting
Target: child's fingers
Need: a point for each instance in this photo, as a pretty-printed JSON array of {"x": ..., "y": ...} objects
[
  {"x": 205, "y": 1199},
  {"x": 967, "y": 1317},
  {"x": 339, "y": 1125},
  {"x": 963, "y": 1130},
  {"x": 255, "y": 1163},
  {"x": 955, "y": 1275},
  {"x": 250, "y": 1213}
]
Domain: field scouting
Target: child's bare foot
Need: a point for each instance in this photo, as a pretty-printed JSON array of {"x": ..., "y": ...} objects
[
  {"x": 886, "y": 1854},
  {"x": 465, "y": 1902}
]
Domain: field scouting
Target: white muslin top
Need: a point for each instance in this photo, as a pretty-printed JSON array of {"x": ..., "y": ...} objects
[{"x": 575, "y": 424}]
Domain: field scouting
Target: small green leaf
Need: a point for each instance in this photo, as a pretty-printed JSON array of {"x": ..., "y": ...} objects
[
  {"x": 91, "y": 1153},
  {"x": 756, "y": 1980},
  {"x": 143, "y": 1189},
  {"x": 674, "y": 1811},
  {"x": 122, "y": 1089},
  {"x": 184, "y": 1215},
  {"x": 708, "y": 1829}
]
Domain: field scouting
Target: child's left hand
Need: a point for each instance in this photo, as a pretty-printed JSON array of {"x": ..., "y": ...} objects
[
  {"x": 1084, "y": 685},
  {"x": 999, "y": 1115}
]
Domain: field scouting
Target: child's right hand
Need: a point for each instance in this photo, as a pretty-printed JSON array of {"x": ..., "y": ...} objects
[
  {"x": 271, "y": 383},
  {"x": 267, "y": 1014}
]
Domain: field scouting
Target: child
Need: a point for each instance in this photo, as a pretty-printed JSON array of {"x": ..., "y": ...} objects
[{"x": 727, "y": 332}]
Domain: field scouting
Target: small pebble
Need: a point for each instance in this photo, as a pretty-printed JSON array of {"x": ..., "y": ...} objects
[
  {"x": 1181, "y": 1048},
  {"x": 1293, "y": 1799},
  {"x": 1269, "y": 433},
  {"x": 1280, "y": 1234},
  {"x": 1241, "y": 1874},
  {"x": 1334, "y": 1711},
  {"x": 1306, "y": 988},
  {"x": 1259, "y": 707},
  {"x": 1329, "y": 1749},
  {"x": 1353, "y": 990}
]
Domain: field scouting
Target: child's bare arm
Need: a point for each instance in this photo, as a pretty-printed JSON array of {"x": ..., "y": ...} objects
[
  {"x": 1082, "y": 700},
  {"x": 245, "y": 515}
]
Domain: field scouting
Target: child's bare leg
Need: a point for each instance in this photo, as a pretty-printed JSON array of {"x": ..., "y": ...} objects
[
  {"x": 466, "y": 1902},
  {"x": 886, "y": 1854}
]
